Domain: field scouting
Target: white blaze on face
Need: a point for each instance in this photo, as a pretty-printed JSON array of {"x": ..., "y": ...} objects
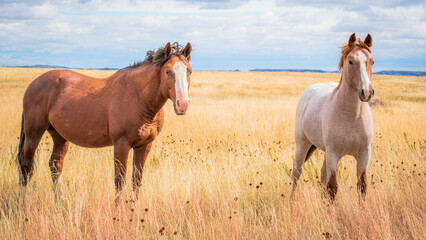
[
  {"x": 362, "y": 67},
  {"x": 181, "y": 84}
]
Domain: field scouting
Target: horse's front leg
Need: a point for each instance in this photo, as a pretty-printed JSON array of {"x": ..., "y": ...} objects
[
  {"x": 140, "y": 154},
  {"x": 363, "y": 159},
  {"x": 121, "y": 152}
]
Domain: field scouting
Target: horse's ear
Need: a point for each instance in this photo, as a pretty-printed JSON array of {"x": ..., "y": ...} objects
[
  {"x": 352, "y": 40},
  {"x": 368, "y": 41},
  {"x": 187, "y": 51},
  {"x": 167, "y": 50}
]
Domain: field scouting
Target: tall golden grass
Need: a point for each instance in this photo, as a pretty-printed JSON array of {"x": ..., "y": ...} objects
[{"x": 223, "y": 171}]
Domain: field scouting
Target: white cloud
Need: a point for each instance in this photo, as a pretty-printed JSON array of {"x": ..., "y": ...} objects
[
  {"x": 23, "y": 11},
  {"x": 279, "y": 31}
]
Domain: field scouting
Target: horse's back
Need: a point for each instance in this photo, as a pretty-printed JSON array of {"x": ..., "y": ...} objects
[{"x": 309, "y": 113}]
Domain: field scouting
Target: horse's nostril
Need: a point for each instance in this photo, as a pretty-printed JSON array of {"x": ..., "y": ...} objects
[
  {"x": 362, "y": 94},
  {"x": 177, "y": 102}
]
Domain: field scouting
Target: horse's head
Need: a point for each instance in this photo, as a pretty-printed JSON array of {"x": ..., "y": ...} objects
[
  {"x": 358, "y": 66},
  {"x": 176, "y": 76}
]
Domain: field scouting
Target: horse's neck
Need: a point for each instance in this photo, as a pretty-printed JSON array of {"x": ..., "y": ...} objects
[
  {"x": 347, "y": 101},
  {"x": 147, "y": 84}
]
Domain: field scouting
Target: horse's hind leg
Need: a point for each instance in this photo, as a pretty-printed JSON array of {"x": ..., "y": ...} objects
[
  {"x": 304, "y": 150},
  {"x": 26, "y": 161},
  {"x": 362, "y": 163},
  {"x": 60, "y": 149}
]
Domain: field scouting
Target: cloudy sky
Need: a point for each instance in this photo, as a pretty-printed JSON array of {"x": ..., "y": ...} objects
[{"x": 225, "y": 34}]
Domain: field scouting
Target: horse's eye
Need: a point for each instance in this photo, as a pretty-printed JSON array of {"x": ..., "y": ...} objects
[
  {"x": 190, "y": 72},
  {"x": 373, "y": 63},
  {"x": 169, "y": 73},
  {"x": 350, "y": 62}
]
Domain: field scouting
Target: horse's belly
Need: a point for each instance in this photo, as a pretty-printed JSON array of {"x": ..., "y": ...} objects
[
  {"x": 92, "y": 139},
  {"x": 84, "y": 137},
  {"x": 85, "y": 131}
]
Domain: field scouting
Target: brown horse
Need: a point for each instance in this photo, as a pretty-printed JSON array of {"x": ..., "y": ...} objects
[{"x": 124, "y": 110}]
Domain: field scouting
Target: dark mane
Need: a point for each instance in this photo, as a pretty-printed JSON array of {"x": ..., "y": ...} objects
[{"x": 157, "y": 56}]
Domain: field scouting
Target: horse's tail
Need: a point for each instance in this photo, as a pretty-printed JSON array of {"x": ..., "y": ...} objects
[{"x": 20, "y": 155}]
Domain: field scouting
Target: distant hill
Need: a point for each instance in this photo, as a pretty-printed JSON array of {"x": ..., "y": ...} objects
[
  {"x": 105, "y": 68},
  {"x": 291, "y": 70},
  {"x": 41, "y": 66},
  {"x": 286, "y": 70},
  {"x": 386, "y": 72},
  {"x": 402, "y": 73},
  {"x": 59, "y": 67}
]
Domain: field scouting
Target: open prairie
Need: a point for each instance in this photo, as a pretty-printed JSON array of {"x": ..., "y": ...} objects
[{"x": 223, "y": 171}]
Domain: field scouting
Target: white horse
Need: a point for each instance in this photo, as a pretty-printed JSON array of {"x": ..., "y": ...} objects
[{"x": 336, "y": 118}]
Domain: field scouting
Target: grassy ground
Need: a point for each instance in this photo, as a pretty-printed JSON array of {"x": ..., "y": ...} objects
[{"x": 223, "y": 170}]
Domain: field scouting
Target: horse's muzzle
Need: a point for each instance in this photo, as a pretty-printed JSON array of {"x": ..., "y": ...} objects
[
  {"x": 181, "y": 105},
  {"x": 365, "y": 95}
]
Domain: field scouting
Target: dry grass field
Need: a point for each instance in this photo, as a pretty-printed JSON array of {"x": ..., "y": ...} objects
[{"x": 223, "y": 171}]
